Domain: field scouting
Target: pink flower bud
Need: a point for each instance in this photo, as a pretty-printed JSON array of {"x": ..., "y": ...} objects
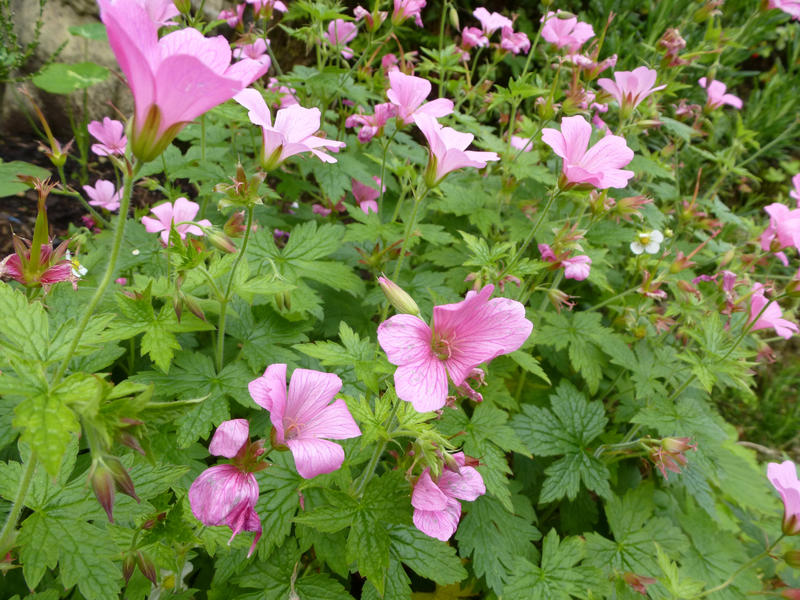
[{"x": 398, "y": 297}]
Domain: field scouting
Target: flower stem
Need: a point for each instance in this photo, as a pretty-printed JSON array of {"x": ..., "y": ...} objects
[
  {"x": 223, "y": 309},
  {"x": 369, "y": 471},
  {"x": 745, "y": 566},
  {"x": 119, "y": 234},
  {"x": 8, "y": 533},
  {"x": 412, "y": 222},
  {"x": 515, "y": 259}
]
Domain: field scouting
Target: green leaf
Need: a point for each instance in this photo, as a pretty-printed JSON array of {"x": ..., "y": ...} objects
[
  {"x": 278, "y": 502},
  {"x": 272, "y": 578},
  {"x": 197, "y": 423},
  {"x": 558, "y": 577},
  {"x": 24, "y": 328},
  {"x": 495, "y": 538},
  {"x": 10, "y": 184},
  {"x": 60, "y": 78},
  {"x": 47, "y": 426},
  {"x": 90, "y": 31},
  {"x": 331, "y": 517},
  {"x": 368, "y": 546},
  {"x": 428, "y": 557},
  {"x": 320, "y": 587},
  {"x": 529, "y": 363},
  {"x": 39, "y": 549},
  {"x": 398, "y": 585}
]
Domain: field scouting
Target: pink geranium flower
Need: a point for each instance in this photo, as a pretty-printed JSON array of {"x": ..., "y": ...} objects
[
  {"x": 491, "y": 22},
  {"x": 292, "y": 132},
  {"x": 406, "y": 9},
  {"x": 340, "y": 32},
  {"x": 160, "y": 11},
  {"x": 408, "y": 93},
  {"x": 227, "y": 494},
  {"x": 472, "y": 37},
  {"x": 110, "y": 134},
  {"x": 629, "y": 88},
  {"x": 463, "y": 335},
  {"x": 525, "y": 144},
  {"x": 366, "y": 195},
  {"x": 717, "y": 96},
  {"x": 795, "y": 193},
  {"x": 437, "y": 509},
  {"x": 361, "y": 13},
  {"x": 286, "y": 94},
  {"x": 181, "y": 214},
  {"x": 51, "y": 267},
  {"x": 174, "y": 79},
  {"x": 577, "y": 267},
  {"x": 598, "y": 166},
  {"x": 103, "y": 194},
  {"x": 790, "y": 7},
  {"x": 784, "y": 477},
  {"x": 305, "y": 416},
  {"x": 256, "y": 51},
  {"x": 770, "y": 318},
  {"x": 233, "y": 17},
  {"x": 447, "y": 150},
  {"x": 568, "y": 32},
  {"x": 514, "y": 42},
  {"x": 783, "y": 230},
  {"x": 372, "y": 125},
  {"x": 264, "y": 8}
]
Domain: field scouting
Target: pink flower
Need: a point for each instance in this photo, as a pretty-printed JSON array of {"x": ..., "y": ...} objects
[
  {"x": 405, "y": 9},
  {"x": 160, "y": 11},
  {"x": 631, "y": 87},
  {"x": 437, "y": 509},
  {"x": 547, "y": 253},
  {"x": 463, "y": 335},
  {"x": 447, "y": 151},
  {"x": 771, "y": 315},
  {"x": 359, "y": 12},
  {"x": 372, "y": 125},
  {"x": 598, "y": 166},
  {"x": 472, "y": 37},
  {"x": 292, "y": 132},
  {"x": 408, "y": 93},
  {"x": 366, "y": 195},
  {"x": 256, "y": 51},
  {"x": 522, "y": 143},
  {"x": 181, "y": 215},
  {"x": 121, "y": 281},
  {"x": 103, "y": 194},
  {"x": 790, "y": 7},
  {"x": 783, "y": 230},
  {"x": 340, "y": 32},
  {"x": 784, "y": 477},
  {"x": 567, "y": 32},
  {"x": 174, "y": 79},
  {"x": 589, "y": 64},
  {"x": 50, "y": 268},
  {"x": 305, "y": 416},
  {"x": 795, "y": 193},
  {"x": 717, "y": 96},
  {"x": 286, "y": 94},
  {"x": 110, "y": 134},
  {"x": 233, "y": 17},
  {"x": 227, "y": 494},
  {"x": 514, "y": 42},
  {"x": 264, "y": 8},
  {"x": 389, "y": 63},
  {"x": 491, "y": 22},
  {"x": 577, "y": 267}
]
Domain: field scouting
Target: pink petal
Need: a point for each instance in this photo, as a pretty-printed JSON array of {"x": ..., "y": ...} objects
[
  {"x": 441, "y": 107},
  {"x": 333, "y": 422},
  {"x": 423, "y": 383},
  {"x": 405, "y": 339},
  {"x": 219, "y": 490},
  {"x": 314, "y": 457},
  {"x": 439, "y": 524},
  {"x": 184, "y": 210},
  {"x": 152, "y": 225},
  {"x": 467, "y": 484},
  {"x": 427, "y": 495},
  {"x": 229, "y": 438},
  {"x": 269, "y": 391},
  {"x": 310, "y": 392},
  {"x": 254, "y": 102}
]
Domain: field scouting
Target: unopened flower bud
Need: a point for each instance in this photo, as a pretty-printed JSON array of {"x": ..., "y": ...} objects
[
  {"x": 146, "y": 566},
  {"x": 185, "y": 6},
  {"x": 121, "y": 477},
  {"x": 454, "y": 18},
  {"x": 451, "y": 463},
  {"x": 682, "y": 444},
  {"x": 792, "y": 558},
  {"x": 398, "y": 297},
  {"x": 128, "y": 565},
  {"x": 234, "y": 227},
  {"x": 102, "y": 481}
]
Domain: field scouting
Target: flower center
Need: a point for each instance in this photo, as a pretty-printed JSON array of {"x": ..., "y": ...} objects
[
  {"x": 644, "y": 238},
  {"x": 292, "y": 431},
  {"x": 441, "y": 348}
]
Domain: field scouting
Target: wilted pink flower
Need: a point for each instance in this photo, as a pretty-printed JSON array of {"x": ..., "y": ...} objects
[
  {"x": 366, "y": 195},
  {"x": 340, "y": 32},
  {"x": 160, "y": 11},
  {"x": 783, "y": 230},
  {"x": 795, "y": 193},
  {"x": 447, "y": 150},
  {"x": 181, "y": 214},
  {"x": 717, "y": 96},
  {"x": 227, "y": 494},
  {"x": 110, "y": 134},
  {"x": 292, "y": 132},
  {"x": 784, "y": 477},
  {"x": 491, "y": 22},
  {"x": 233, "y": 17},
  {"x": 256, "y": 51},
  {"x": 577, "y": 267},
  {"x": 437, "y": 509},
  {"x": 514, "y": 42},
  {"x": 464, "y": 335},
  {"x": 569, "y": 32},
  {"x": 305, "y": 416},
  {"x": 589, "y": 64},
  {"x": 408, "y": 93},
  {"x": 472, "y": 37},
  {"x": 173, "y": 80},
  {"x": 371, "y": 125},
  {"x": 405, "y": 9},
  {"x": 631, "y": 87},
  {"x": 598, "y": 166},
  {"x": 670, "y": 455},
  {"x": 790, "y": 7},
  {"x": 771, "y": 315},
  {"x": 103, "y": 194}
]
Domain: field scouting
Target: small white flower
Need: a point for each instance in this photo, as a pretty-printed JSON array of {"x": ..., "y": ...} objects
[
  {"x": 648, "y": 241},
  {"x": 135, "y": 252},
  {"x": 78, "y": 270}
]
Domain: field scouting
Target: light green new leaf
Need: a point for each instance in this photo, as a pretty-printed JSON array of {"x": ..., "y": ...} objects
[{"x": 48, "y": 425}]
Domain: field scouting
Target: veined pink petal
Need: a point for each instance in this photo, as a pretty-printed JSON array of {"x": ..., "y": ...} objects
[
  {"x": 439, "y": 524},
  {"x": 310, "y": 392},
  {"x": 491, "y": 22},
  {"x": 184, "y": 210},
  {"x": 405, "y": 339},
  {"x": 467, "y": 484},
  {"x": 423, "y": 383},
  {"x": 576, "y": 132},
  {"x": 244, "y": 518},
  {"x": 219, "y": 490},
  {"x": 333, "y": 422},
  {"x": 229, "y": 438},
  {"x": 441, "y": 107},
  {"x": 314, "y": 457},
  {"x": 254, "y": 102},
  {"x": 269, "y": 391},
  {"x": 784, "y": 477},
  {"x": 427, "y": 495}
]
